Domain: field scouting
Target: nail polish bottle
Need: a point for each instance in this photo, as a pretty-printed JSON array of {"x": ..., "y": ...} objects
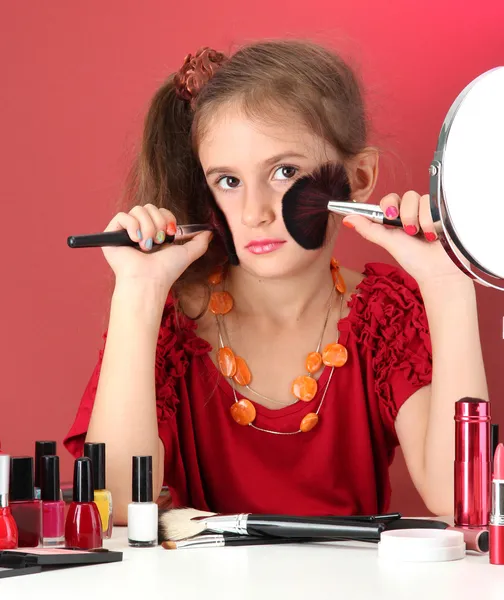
[
  {"x": 102, "y": 496},
  {"x": 44, "y": 448},
  {"x": 142, "y": 512},
  {"x": 83, "y": 528},
  {"x": 53, "y": 509},
  {"x": 8, "y": 527},
  {"x": 26, "y": 510}
]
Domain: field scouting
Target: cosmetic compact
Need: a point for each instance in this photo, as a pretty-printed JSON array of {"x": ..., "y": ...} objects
[
  {"x": 421, "y": 545},
  {"x": 18, "y": 562}
]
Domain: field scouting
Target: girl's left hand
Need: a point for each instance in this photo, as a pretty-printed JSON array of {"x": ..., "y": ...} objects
[{"x": 416, "y": 246}]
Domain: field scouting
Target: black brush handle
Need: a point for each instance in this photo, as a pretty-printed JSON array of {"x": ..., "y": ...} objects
[
  {"x": 107, "y": 238},
  {"x": 248, "y": 540},
  {"x": 386, "y": 518},
  {"x": 416, "y": 524},
  {"x": 494, "y": 439},
  {"x": 392, "y": 222},
  {"x": 316, "y": 528}
]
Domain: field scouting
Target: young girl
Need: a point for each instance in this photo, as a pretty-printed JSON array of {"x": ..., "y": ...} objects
[{"x": 212, "y": 362}]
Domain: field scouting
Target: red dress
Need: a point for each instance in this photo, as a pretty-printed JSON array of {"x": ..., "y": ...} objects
[{"x": 341, "y": 466}]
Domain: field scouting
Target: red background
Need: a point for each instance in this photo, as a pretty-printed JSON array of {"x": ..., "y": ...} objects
[{"x": 76, "y": 81}]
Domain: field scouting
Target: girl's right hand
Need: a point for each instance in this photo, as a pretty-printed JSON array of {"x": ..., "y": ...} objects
[{"x": 149, "y": 225}]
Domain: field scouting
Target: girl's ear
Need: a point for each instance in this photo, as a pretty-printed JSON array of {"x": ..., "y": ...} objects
[{"x": 363, "y": 174}]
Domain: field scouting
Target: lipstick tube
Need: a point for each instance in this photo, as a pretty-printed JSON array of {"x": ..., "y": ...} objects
[
  {"x": 472, "y": 463},
  {"x": 497, "y": 514},
  {"x": 8, "y": 527}
]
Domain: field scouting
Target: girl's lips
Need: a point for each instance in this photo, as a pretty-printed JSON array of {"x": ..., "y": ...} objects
[{"x": 264, "y": 246}]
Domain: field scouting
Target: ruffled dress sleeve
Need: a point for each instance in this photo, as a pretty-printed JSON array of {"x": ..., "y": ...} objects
[
  {"x": 177, "y": 343},
  {"x": 389, "y": 319}
]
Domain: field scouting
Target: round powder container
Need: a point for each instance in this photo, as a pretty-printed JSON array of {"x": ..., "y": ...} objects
[{"x": 421, "y": 545}]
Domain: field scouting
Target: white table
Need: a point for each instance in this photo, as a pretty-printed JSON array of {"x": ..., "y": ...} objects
[{"x": 283, "y": 572}]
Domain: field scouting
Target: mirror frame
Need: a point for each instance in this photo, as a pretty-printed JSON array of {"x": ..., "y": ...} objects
[{"x": 439, "y": 207}]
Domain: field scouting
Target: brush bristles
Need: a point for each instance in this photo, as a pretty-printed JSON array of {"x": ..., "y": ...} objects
[
  {"x": 176, "y": 524},
  {"x": 221, "y": 225},
  {"x": 304, "y": 205},
  {"x": 169, "y": 545}
]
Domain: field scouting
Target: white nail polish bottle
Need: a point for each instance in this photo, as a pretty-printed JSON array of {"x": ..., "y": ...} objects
[{"x": 142, "y": 512}]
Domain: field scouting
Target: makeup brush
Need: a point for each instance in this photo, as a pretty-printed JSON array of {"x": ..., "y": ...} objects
[
  {"x": 229, "y": 539},
  {"x": 179, "y": 524},
  {"x": 168, "y": 520},
  {"x": 307, "y": 203},
  {"x": 122, "y": 238}
]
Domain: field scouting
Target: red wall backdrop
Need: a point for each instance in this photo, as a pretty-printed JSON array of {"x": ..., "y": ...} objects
[{"x": 76, "y": 80}]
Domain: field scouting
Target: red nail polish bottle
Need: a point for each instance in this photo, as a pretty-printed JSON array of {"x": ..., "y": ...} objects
[
  {"x": 26, "y": 510},
  {"x": 8, "y": 527},
  {"x": 83, "y": 527},
  {"x": 53, "y": 509}
]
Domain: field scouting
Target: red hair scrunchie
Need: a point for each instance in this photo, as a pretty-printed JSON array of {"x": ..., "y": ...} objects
[{"x": 196, "y": 71}]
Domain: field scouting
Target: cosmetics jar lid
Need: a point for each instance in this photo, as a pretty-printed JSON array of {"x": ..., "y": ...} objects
[
  {"x": 472, "y": 410},
  {"x": 142, "y": 479},
  {"x": 50, "y": 478},
  {"x": 421, "y": 545},
  {"x": 42, "y": 448},
  {"x": 21, "y": 479},
  {"x": 96, "y": 452}
]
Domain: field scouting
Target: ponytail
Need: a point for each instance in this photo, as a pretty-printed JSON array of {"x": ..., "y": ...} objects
[{"x": 168, "y": 174}]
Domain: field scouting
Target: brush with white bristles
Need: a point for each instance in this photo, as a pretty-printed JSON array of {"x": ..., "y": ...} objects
[
  {"x": 175, "y": 524},
  {"x": 182, "y": 523}
]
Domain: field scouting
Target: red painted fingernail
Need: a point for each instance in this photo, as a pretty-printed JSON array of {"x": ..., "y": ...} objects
[
  {"x": 391, "y": 212},
  {"x": 349, "y": 224},
  {"x": 171, "y": 229},
  {"x": 411, "y": 229},
  {"x": 430, "y": 237}
]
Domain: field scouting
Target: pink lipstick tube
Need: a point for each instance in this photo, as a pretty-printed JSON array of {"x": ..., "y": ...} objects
[
  {"x": 497, "y": 514},
  {"x": 472, "y": 463}
]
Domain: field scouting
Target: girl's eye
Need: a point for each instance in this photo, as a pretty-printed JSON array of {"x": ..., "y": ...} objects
[
  {"x": 228, "y": 183},
  {"x": 285, "y": 172}
]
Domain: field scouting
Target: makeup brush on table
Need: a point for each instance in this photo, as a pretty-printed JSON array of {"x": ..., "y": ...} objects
[
  {"x": 190, "y": 528},
  {"x": 182, "y": 523},
  {"x": 221, "y": 540},
  {"x": 308, "y": 202}
]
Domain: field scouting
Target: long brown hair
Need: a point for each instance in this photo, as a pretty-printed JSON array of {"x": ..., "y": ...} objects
[{"x": 274, "y": 78}]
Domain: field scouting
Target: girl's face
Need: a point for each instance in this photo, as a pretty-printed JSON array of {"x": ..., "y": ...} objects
[{"x": 249, "y": 165}]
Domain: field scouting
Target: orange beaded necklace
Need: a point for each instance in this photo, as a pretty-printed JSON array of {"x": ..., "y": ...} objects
[{"x": 304, "y": 387}]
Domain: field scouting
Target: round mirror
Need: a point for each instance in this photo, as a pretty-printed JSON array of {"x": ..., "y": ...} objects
[
  {"x": 466, "y": 187},
  {"x": 466, "y": 191}
]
